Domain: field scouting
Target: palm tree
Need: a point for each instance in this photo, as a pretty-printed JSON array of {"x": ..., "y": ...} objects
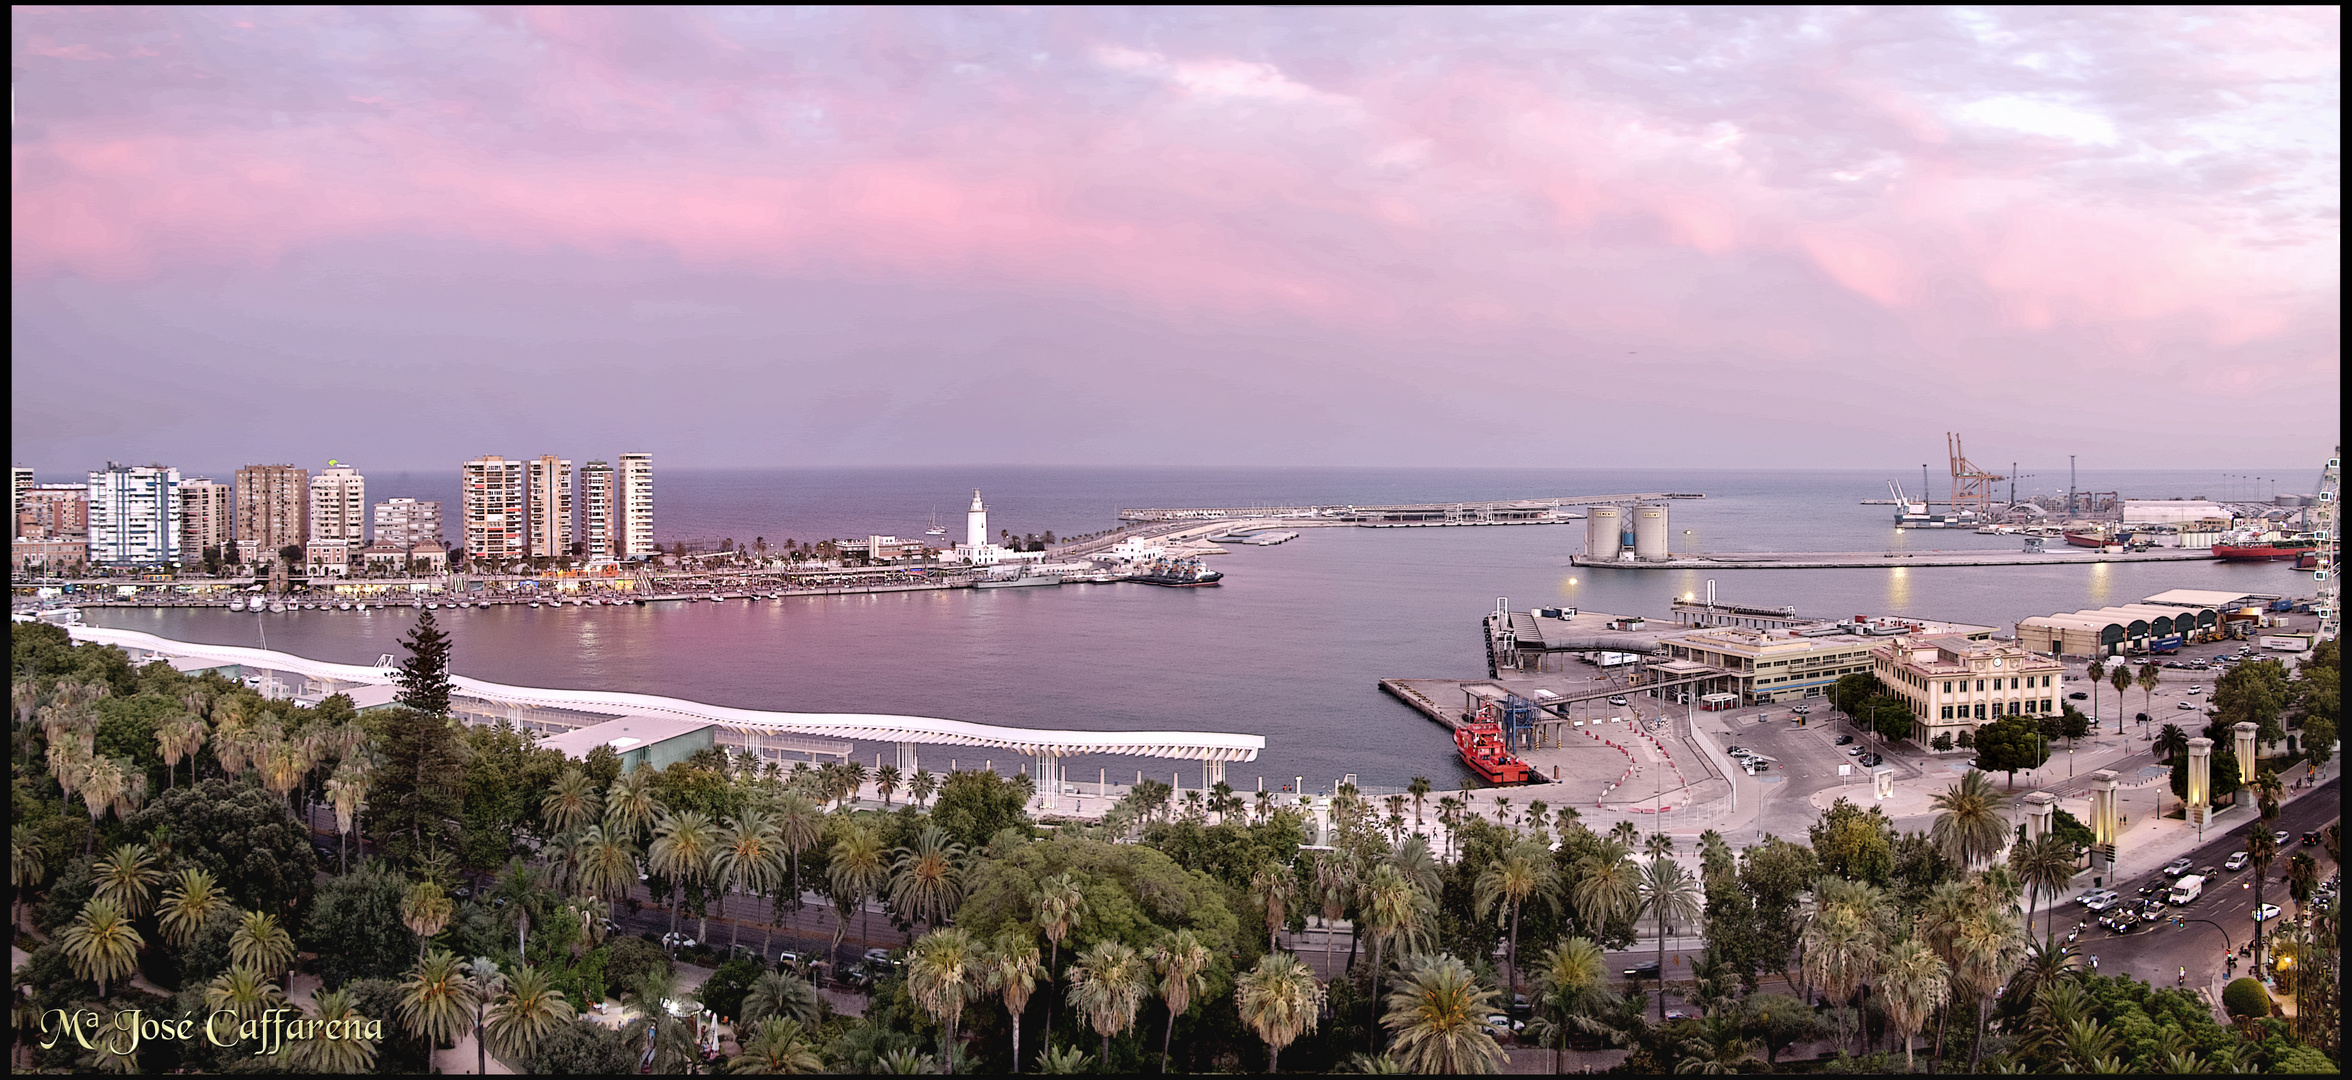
[
  {"x": 778, "y": 993},
  {"x": 858, "y": 873},
  {"x": 425, "y": 910},
  {"x": 1523, "y": 873},
  {"x": 1419, "y": 790},
  {"x": 28, "y": 864},
  {"x": 781, "y": 1047},
  {"x": 484, "y": 985},
  {"x": 2121, "y": 681},
  {"x": 683, "y": 843},
  {"x": 1395, "y": 908},
  {"x": 749, "y": 860},
  {"x": 2046, "y": 864},
  {"x": 528, "y": 1012},
  {"x": 1334, "y": 884},
  {"x": 347, "y": 790},
  {"x": 927, "y": 882},
  {"x": 1989, "y": 945},
  {"x": 188, "y": 904},
  {"x": 1671, "y": 896},
  {"x": 944, "y": 972},
  {"x": 657, "y": 1030},
  {"x": 2097, "y": 674},
  {"x": 630, "y": 807},
  {"x": 1438, "y": 1013},
  {"x": 1011, "y": 971},
  {"x": 1108, "y": 983},
  {"x": 1571, "y": 975},
  {"x": 177, "y": 738},
  {"x": 1913, "y": 984},
  {"x": 799, "y": 825},
  {"x": 101, "y": 943},
  {"x": 1182, "y": 959},
  {"x": 2046, "y": 962},
  {"x": 1607, "y": 886},
  {"x": 1274, "y": 888},
  {"x": 2171, "y": 741},
  {"x": 2151, "y": 677},
  {"x": 1278, "y": 1000},
  {"x": 1658, "y": 846},
  {"x": 436, "y": 1001},
  {"x": 887, "y": 781},
  {"x": 607, "y": 863},
  {"x": 104, "y": 780},
  {"x": 260, "y": 943},
  {"x": 344, "y": 1055},
  {"x": 922, "y": 787},
  {"x": 1968, "y": 827},
  {"x": 2263, "y": 848},
  {"x": 127, "y": 876},
  {"x": 242, "y": 990},
  {"x": 1061, "y": 907},
  {"x": 852, "y": 776},
  {"x": 571, "y": 804}
]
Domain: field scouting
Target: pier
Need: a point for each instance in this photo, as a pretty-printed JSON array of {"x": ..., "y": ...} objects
[
  {"x": 1496, "y": 512},
  {"x": 1848, "y": 560}
]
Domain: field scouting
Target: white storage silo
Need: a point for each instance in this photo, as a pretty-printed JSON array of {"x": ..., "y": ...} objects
[
  {"x": 1650, "y": 533},
  {"x": 1602, "y": 527}
]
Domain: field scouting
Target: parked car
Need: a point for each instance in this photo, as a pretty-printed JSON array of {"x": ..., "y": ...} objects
[
  {"x": 1845, "y": 740},
  {"x": 677, "y": 941},
  {"x": 1802, "y": 710},
  {"x": 2196, "y": 690},
  {"x": 1857, "y": 751},
  {"x": 2080, "y": 695},
  {"x": 2236, "y": 861},
  {"x": 2176, "y": 868},
  {"x": 2310, "y": 837},
  {"x": 2186, "y": 705},
  {"x": 1872, "y": 761},
  {"x": 1617, "y": 699},
  {"x": 1736, "y": 751}
]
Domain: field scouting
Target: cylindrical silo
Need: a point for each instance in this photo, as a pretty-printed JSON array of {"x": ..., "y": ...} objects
[
  {"x": 1601, "y": 528},
  {"x": 1649, "y": 533}
]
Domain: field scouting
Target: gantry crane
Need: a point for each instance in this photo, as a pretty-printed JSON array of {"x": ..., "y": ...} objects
[{"x": 1972, "y": 488}]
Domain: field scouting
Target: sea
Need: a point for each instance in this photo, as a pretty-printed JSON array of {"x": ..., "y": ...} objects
[{"x": 1290, "y": 646}]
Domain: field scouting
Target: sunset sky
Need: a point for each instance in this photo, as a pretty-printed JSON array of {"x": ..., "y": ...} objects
[{"x": 1723, "y": 237}]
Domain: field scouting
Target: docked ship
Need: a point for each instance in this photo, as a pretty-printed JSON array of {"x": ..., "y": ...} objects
[
  {"x": 1480, "y": 742},
  {"x": 2095, "y": 537},
  {"x": 1022, "y": 579},
  {"x": 2264, "y": 547},
  {"x": 1178, "y": 574}
]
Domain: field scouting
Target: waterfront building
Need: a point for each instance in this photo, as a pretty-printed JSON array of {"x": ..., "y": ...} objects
[
  {"x": 338, "y": 518},
  {"x": 2111, "y": 631},
  {"x": 642, "y": 741},
  {"x": 48, "y": 554},
  {"x": 20, "y": 480},
  {"x": 547, "y": 488},
  {"x": 977, "y": 549},
  {"x": 135, "y": 515},
  {"x": 429, "y": 557},
  {"x": 405, "y": 523},
  {"x": 1955, "y": 683},
  {"x": 492, "y": 490},
  {"x": 633, "y": 510},
  {"x": 882, "y": 549},
  {"x": 1767, "y": 665},
  {"x": 597, "y": 504},
  {"x": 273, "y": 510},
  {"x": 204, "y": 516},
  {"x": 52, "y": 511}
]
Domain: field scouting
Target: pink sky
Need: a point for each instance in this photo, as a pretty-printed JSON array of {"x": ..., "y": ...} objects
[{"x": 1678, "y": 237}]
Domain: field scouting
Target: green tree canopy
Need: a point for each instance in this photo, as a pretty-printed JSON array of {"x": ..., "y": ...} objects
[
  {"x": 355, "y": 927},
  {"x": 242, "y": 835},
  {"x": 2009, "y": 744}
]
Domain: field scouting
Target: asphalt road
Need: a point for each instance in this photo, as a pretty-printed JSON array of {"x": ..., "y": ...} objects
[{"x": 2157, "y": 953}]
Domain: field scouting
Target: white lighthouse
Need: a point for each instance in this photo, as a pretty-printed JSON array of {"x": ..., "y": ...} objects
[{"x": 976, "y": 522}]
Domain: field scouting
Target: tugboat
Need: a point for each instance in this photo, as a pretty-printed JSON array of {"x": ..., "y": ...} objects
[
  {"x": 1481, "y": 744},
  {"x": 1178, "y": 574}
]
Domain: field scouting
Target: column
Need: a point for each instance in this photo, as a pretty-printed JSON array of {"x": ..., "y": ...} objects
[
  {"x": 906, "y": 759},
  {"x": 2106, "y": 821},
  {"x": 2245, "y": 731},
  {"x": 1049, "y": 776},
  {"x": 1212, "y": 773},
  {"x": 2041, "y": 814},
  {"x": 2200, "y": 781}
]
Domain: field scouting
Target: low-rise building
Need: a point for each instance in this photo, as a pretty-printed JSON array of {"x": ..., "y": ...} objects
[
  {"x": 48, "y": 554},
  {"x": 1764, "y": 665},
  {"x": 1956, "y": 683}
]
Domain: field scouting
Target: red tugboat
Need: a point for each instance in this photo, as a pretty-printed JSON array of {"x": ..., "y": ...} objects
[{"x": 1481, "y": 743}]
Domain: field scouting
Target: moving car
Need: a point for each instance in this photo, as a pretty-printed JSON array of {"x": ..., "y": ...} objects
[
  {"x": 2099, "y": 899},
  {"x": 2268, "y": 912},
  {"x": 2186, "y": 705},
  {"x": 1802, "y": 710},
  {"x": 2120, "y": 922},
  {"x": 1617, "y": 699},
  {"x": 1845, "y": 740},
  {"x": 2236, "y": 861},
  {"x": 1647, "y": 969},
  {"x": 2080, "y": 696},
  {"x": 2176, "y": 868}
]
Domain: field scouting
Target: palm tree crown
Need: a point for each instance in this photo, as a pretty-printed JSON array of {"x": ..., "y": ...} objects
[
  {"x": 1438, "y": 1013},
  {"x": 1969, "y": 828},
  {"x": 1278, "y": 1000}
]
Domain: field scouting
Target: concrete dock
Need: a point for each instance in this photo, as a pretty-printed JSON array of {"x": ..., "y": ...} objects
[{"x": 1839, "y": 560}]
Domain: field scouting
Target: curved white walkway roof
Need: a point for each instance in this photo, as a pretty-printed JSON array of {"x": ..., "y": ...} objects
[{"x": 873, "y": 727}]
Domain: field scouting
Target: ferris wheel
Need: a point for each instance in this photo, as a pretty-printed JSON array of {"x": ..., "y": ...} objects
[{"x": 2326, "y": 528}]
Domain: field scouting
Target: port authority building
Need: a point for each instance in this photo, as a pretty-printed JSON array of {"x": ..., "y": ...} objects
[
  {"x": 1955, "y": 683},
  {"x": 1776, "y": 664}
]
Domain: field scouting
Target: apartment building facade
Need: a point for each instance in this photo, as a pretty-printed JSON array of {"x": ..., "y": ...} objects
[
  {"x": 597, "y": 500},
  {"x": 405, "y": 523},
  {"x": 273, "y": 510},
  {"x": 134, "y": 515},
  {"x": 205, "y": 516},
  {"x": 547, "y": 482},
  {"x": 633, "y": 513},
  {"x": 494, "y": 510},
  {"x": 338, "y": 518}
]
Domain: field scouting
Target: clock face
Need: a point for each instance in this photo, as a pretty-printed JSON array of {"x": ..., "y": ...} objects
[{"x": 1996, "y": 661}]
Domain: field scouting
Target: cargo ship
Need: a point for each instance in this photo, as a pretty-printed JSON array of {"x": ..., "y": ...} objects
[
  {"x": 1480, "y": 742},
  {"x": 1177, "y": 574},
  {"x": 2247, "y": 548},
  {"x": 2090, "y": 538}
]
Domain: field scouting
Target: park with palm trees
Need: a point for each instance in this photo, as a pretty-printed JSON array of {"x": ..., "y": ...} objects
[{"x": 183, "y": 846}]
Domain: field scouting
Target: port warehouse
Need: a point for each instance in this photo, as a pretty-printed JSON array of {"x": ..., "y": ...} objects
[{"x": 2190, "y": 614}]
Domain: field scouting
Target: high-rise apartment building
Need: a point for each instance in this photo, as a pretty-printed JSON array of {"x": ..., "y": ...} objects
[
  {"x": 494, "y": 510},
  {"x": 547, "y": 482},
  {"x": 273, "y": 510},
  {"x": 406, "y": 523},
  {"x": 204, "y": 516},
  {"x": 596, "y": 510},
  {"x": 634, "y": 512},
  {"x": 338, "y": 517},
  {"x": 134, "y": 515},
  {"x": 20, "y": 480}
]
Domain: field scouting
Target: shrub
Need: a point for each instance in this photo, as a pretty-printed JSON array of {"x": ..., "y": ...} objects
[
  {"x": 628, "y": 959},
  {"x": 2246, "y": 998}
]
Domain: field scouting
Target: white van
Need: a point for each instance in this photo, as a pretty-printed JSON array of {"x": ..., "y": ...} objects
[{"x": 2186, "y": 890}]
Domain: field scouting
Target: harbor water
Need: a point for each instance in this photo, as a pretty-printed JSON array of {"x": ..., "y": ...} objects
[{"x": 1290, "y": 646}]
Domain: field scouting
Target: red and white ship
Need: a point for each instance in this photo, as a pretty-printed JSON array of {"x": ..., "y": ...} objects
[{"x": 1481, "y": 744}]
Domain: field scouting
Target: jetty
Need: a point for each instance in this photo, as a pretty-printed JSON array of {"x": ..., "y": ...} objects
[{"x": 1847, "y": 560}]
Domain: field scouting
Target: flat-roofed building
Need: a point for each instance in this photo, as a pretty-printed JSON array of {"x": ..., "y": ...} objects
[
  {"x": 1776, "y": 664},
  {"x": 405, "y": 523},
  {"x": 51, "y": 511},
  {"x": 205, "y": 519},
  {"x": 597, "y": 502},
  {"x": 2113, "y": 631},
  {"x": 547, "y": 483},
  {"x": 338, "y": 518},
  {"x": 641, "y": 741},
  {"x": 48, "y": 555},
  {"x": 633, "y": 513},
  {"x": 494, "y": 509},
  {"x": 20, "y": 480},
  {"x": 1957, "y": 684},
  {"x": 135, "y": 515},
  {"x": 273, "y": 510}
]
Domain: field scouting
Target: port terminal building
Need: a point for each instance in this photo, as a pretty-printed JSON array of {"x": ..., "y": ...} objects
[
  {"x": 1714, "y": 650},
  {"x": 2190, "y": 615}
]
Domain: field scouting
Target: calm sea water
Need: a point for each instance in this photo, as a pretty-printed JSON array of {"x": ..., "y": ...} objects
[{"x": 1291, "y": 645}]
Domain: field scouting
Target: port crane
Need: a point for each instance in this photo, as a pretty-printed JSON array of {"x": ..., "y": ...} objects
[{"x": 1972, "y": 487}]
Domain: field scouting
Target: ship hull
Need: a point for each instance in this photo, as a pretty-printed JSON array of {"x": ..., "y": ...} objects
[
  {"x": 2088, "y": 540},
  {"x": 2258, "y": 552}
]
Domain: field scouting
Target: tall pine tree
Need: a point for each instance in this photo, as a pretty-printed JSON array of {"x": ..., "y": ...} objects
[{"x": 424, "y": 676}]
